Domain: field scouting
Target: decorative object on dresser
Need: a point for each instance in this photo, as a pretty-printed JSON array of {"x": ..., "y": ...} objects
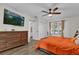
[{"x": 11, "y": 39}]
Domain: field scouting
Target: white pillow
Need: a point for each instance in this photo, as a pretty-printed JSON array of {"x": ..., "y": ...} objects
[{"x": 77, "y": 40}]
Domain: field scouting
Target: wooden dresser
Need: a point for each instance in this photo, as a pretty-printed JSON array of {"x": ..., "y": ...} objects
[{"x": 11, "y": 39}]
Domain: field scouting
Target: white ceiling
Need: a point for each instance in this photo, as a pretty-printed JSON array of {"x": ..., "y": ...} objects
[{"x": 34, "y": 9}]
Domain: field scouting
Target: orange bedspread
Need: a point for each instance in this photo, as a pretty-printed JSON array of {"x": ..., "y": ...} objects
[{"x": 59, "y": 45}]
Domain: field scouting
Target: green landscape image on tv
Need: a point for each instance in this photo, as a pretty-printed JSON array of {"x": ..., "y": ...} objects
[{"x": 13, "y": 18}]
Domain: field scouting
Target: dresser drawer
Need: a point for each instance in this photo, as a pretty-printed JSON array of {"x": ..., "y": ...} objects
[
  {"x": 11, "y": 39},
  {"x": 2, "y": 40},
  {"x": 13, "y": 44},
  {"x": 3, "y": 46}
]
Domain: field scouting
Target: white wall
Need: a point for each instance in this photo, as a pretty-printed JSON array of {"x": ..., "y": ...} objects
[
  {"x": 71, "y": 25},
  {"x": 39, "y": 28},
  {"x": 43, "y": 28},
  {"x": 6, "y": 27}
]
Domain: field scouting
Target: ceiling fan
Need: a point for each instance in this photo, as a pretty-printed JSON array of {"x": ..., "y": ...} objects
[{"x": 51, "y": 12}]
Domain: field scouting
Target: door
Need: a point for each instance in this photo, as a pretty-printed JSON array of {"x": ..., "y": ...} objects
[{"x": 33, "y": 30}]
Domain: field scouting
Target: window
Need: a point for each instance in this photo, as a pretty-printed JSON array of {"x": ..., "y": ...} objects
[{"x": 56, "y": 28}]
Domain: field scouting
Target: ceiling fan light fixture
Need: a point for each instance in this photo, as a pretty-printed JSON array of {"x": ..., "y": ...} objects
[
  {"x": 51, "y": 12},
  {"x": 50, "y": 15}
]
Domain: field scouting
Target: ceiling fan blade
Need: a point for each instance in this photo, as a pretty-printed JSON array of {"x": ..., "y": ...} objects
[
  {"x": 55, "y": 9},
  {"x": 45, "y": 11},
  {"x": 56, "y": 13},
  {"x": 45, "y": 15}
]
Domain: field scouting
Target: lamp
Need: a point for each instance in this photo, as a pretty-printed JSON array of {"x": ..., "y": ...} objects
[{"x": 49, "y": 14}]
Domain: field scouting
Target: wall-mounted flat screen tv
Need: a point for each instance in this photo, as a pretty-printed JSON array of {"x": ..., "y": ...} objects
[{"x": 13, "y": 18}]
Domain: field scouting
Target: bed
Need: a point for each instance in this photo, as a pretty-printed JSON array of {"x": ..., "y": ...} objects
[{"x": 58, "y": 45}]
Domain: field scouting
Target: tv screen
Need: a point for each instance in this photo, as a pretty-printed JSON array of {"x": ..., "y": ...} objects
[{"x": 13, "y": 18}]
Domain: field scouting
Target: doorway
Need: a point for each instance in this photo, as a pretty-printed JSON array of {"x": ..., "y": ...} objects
[{"x": 33, "y": 30}]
